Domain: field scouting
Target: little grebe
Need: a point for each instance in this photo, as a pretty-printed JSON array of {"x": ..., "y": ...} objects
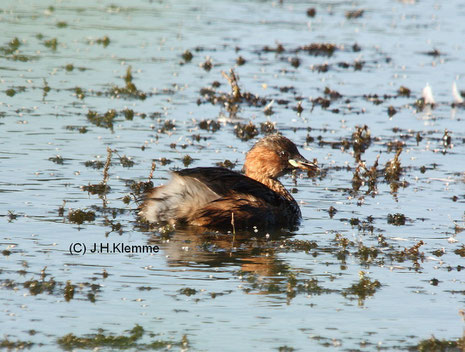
[{"x": 217, "y": 198}]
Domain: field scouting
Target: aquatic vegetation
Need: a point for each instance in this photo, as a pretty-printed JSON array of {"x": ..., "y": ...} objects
[
  {"x": 446, "y": 139},
  {"x": 46, "y": 89},
  {"x": 268, "y": 110},
  {"x": 295, "y": 62},
  {"x": 187, "y": 160},
  {"x": 80, "y": 129},
  {"x": 363, "y": 289},
  {"x": 11, "y": 51},
  {"x": 311, "y": 12},
  {"x": 367, "y": 254},
  {"x": 413, "y": 253},
  {"x": 95, "y": 164},
  {"x": 10, "y": 92},
  {"x": 228, "y": 164},
  {"x": 126, "y": 161},
  {"x": 51, "y": 43},
  {"x": 279, "y": 48},
  {"x": 289, "y": 285},
  {"x": 391, "y": 111},
  {"x": 393, "y": 169},
  {"x": 15, "y": 345},
  {"x": 122, "y": 342},
  {"x": 37, "y": 287},
  {"x": 268, "y": 127},
  {"x": 361, "y": 140},
  {"x": 102, "y": 188},
  {"x": 298, "y": 245},
  {"x": 435, "y": 345},
  {"x": 58, "y": 159},
  {"x": 363, "y": 175},
  {"x": 321, "y": 68},
  {"x": 354, "y": 14},
  {"x": 129, "y": 91},
  {"x": 69, "y": 291},
  {"x": 460, "y": 251},
  {"x": 79, "y": 93},
  {"x": 207, "y": 64},
  {"x": 105, "y": 41},
  {"x": 232, "y": 79},
  {"x": 245, "y": 131},
  {"x": 140, "y": 187},
  {"x": 333, "y": 95},
  {"x": 237, "y": 96},
  {"x": 98, "y": 188},
  {"x": 323, "y": 102},
  {"x": 299, "y": 108},
  {"x": 187, "y": 56},
  {"x": 79, "y": 216},
  {"x": 168, "y": 125},
  {"x": 209, "y": 125},
  {"x": 187, "y": 291},
  {"x": 11, "y": 47},
  {"x": 397, "y": 219},
  {"x": 332, "y": 211},
  {"x": 71, "y": 341},
  {"x": 240, "y": 61},
  {"x": 106, "y": 120},
  {"x": 319, "y": 49},
  {"x": 404, "y": 91}
]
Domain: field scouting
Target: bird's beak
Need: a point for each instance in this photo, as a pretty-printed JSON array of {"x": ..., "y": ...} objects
[{"x": 302, "y": 163}]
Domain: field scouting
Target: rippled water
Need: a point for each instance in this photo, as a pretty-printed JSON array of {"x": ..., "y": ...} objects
[{"x": 301, "y": 290}]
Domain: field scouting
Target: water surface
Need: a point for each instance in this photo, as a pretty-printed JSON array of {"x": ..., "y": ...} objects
[{"x": 357, "y": 280}]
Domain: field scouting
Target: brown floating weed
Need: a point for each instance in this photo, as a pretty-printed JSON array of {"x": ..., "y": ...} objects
[
  {"x": 413, "y": 253},
  {"x": 268, "y": 127},
  {"x": 240, "y": 61},
  {"x": 403, "y": 91},
  {"x": 105, "y": 41},
  {"x": 78, "y": 216},
  {"x": 187, "y": 56},
  {"x": 433, "y": 344},
  {"x": 130, "y": 90},
  {"x": 106, "y": 120},
  {"x": 207, "y": 64},
  {"x": 118, "y": 342},
  {"x": 245, "y": 131},
  {"x": 393, "y": 168},
  {"x": 354, "y": 14},
  {"x": 101, "y": 188},
  {"x": 15, "y": 345},
  {"x": 233, "y": 82},
  {"x": 364, "y": 288},
  {"x": 357, "y": 180},
  {"x": 319, "y": 49},
  {"x": 152, "y": 170},
  {"x": 361, "y": 140}
]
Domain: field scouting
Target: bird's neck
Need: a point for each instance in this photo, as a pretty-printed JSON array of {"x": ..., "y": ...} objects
[{"x": 273, "y": 184}]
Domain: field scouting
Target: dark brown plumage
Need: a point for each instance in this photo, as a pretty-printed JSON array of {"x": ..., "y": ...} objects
[{"x": 217, "y": 198}]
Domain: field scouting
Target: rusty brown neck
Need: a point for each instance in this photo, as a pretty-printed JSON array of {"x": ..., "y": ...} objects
[{"x": 272, "y": 183}]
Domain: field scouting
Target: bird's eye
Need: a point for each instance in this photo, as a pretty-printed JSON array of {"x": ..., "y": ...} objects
[{"x": 283, "y": 153}]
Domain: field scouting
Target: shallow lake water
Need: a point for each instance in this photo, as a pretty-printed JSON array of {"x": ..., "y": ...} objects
[{"x": 376, "y": 262}]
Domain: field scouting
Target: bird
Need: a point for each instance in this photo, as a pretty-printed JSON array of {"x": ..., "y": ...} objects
[{"x": 221, "y": 199}]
